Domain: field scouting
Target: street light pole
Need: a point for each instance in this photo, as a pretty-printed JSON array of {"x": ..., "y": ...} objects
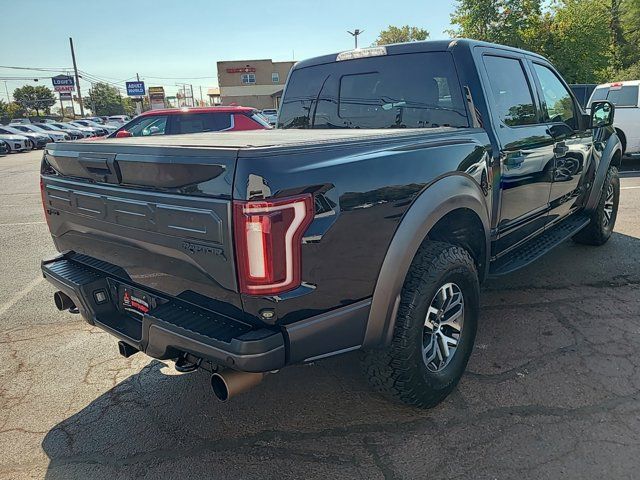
[{"x": 355, "y": 34}]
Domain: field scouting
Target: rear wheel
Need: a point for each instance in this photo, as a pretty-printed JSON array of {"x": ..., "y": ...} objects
[
  {"x": 435, "y": 328},
  {"x": 603, "y": 218}
]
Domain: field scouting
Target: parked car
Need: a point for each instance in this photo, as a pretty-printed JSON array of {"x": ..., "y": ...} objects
[
  {"x": 51, "y": 127},
  {"x": 38, "y": 140},
  {"x": 98, "y": 120},
  {"x": 4, "y": 147},
  {"x": 582, "y": 92},
  {"x": 107, "y": 129},
  {"x": 55, "y": 136},
  {"x": 119, "y": 119},
  {"x": 74, "y": 133},
  {"x": 95, "y": 131},
  {"x": 174, "y": 121},
  {"x": 367, "y": 221},
  {"x": 17, "y": 143},
  {"x": 20, "y": 120},
  {"x": 624, "y": 95},
  {"x": 271, "y": 115}
]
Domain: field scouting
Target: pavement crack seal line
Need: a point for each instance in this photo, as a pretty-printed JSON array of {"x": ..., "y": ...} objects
[{"x": 5, "y": 307}]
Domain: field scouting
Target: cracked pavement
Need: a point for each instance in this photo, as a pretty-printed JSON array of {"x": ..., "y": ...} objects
[{"x": 552, "y": 390}]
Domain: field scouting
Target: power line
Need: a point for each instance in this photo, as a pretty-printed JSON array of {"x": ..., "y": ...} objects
[{"x": 38, "y": 69}]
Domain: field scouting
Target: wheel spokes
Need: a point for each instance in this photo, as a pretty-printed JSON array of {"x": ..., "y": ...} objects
[{"x": 443, "y": 327}]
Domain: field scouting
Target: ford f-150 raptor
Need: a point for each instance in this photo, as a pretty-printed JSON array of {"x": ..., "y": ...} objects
[{"x": 399, "y": 178}]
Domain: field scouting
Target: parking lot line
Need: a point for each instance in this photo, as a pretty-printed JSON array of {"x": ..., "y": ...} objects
[
  {"x": 19, "y": 224},
  {"x": 20, "y": 295},
  {"x": 629, "y": 188}
]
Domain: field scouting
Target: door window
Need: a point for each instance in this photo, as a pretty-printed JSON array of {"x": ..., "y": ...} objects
[
  {"x": 148, "y": 126},
  {"x": 558, "y": 103},
  {"x": 511, "y": 95}
]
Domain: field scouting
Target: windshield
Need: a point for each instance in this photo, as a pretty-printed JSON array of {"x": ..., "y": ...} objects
[{"x": 418, "y": 90}]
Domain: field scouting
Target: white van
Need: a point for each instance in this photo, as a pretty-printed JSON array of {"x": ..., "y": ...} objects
[{"x": 624, "y": 95}]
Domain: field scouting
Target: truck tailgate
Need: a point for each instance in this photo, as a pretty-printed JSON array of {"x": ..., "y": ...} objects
[{"x": 162, "y": 215}]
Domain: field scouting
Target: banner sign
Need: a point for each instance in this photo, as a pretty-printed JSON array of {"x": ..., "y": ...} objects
[
  {"x": 65, "y": 96},
  {"x": 246, "y": 69},
  {"x": 63, "y": 83},
  {"x": 156, "y": 97},
  {"x": 135, "y": 89}
]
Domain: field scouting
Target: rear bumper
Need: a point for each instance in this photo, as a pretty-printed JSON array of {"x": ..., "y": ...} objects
[{"x": 173, "y": 327}]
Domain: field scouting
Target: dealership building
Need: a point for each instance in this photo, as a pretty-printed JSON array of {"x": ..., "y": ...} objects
[{"x": 252, "y": 83}]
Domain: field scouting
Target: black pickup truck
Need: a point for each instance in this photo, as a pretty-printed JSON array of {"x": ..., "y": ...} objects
[{"x": 399, "y": 178}]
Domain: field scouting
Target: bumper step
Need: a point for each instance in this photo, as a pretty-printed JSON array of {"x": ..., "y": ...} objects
[
  {"x": 172, "y": 327},
  {"x": 538, "y": 246}
]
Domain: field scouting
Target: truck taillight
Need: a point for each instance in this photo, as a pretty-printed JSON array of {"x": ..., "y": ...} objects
[
  {"x": 43, "y": 195},
  {"x": 268, "y": 241}
]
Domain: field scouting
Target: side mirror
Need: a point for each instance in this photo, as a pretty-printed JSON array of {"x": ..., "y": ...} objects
[
  {"x": 123, "y": 134},
  {"x": 602, "y": 114}
]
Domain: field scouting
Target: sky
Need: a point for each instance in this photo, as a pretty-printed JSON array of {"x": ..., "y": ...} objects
[{"x": 169, "y": 42}]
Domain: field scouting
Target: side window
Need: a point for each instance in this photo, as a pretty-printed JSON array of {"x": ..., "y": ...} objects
[
  {"x": 147, "y": 126},
  {"x": 275, "y": 77},
  {"x": 201, "y": 122},
  {"x": 510, "y": 92},
  {"x": 558, "y": 101}
]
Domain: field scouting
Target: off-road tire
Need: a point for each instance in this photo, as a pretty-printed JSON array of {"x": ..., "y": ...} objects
[
  {"x": 599, "y": 230},
  {"x": 399, "y": 370}
]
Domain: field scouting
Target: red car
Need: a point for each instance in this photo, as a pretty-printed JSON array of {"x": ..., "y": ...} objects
[{"x": 174, "y": 121}]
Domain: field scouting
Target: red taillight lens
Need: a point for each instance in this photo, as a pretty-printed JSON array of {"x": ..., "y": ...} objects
[
  {"x": 268, "y": 239},
  {"x": 43, "y": 195}
]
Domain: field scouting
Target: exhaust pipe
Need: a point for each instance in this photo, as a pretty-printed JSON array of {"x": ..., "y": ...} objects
[
  {"x": 126, "y": 350},
  {"x": 229, "y": 383},
  {"x": 63, "y": 302}
]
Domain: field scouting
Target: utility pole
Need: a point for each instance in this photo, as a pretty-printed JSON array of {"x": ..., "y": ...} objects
[
  {"x": 355, "y": 34},
  {"x": 193, "y": 102},
  {"x": 75, "y": 69},
  {"x": 6, "y": 89},
  {"x": 201, "y": 101}
]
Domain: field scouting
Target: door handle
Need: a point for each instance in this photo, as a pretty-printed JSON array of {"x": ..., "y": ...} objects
[
  {"x": 560, "y": 149},
  {"x": 516, "y": 159}
]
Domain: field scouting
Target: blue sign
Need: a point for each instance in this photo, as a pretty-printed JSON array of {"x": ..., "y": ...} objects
[
  {"x": 135, "y": 89},
  {"x": 63, "y": 83}
]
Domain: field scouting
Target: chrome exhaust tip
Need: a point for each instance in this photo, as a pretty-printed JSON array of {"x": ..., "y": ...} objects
[{"x": 229, "y": 383}]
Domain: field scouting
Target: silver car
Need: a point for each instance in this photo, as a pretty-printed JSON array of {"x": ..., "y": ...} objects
[
  {"x": 17, "y": 143},
  {"x": 38, "y": 140},
  {"x": 56, "y": 136},
  {"x": 89, "y": 123},
  {"x": 97, "y": 131}
]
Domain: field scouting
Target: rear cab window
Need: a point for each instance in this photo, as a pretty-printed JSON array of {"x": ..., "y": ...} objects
[
  {"x": 415, "y": 90},
  {"x": 622, "y": 96}
]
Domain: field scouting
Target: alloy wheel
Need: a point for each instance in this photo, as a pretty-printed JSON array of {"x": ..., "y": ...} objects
[
  {"x": 443, "y": 327},
  {"x": 608, "y": 205}
]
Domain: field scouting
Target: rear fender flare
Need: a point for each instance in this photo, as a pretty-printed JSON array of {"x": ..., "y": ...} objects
[
  {"x": 612, "y": 146},
  {"x": 445, "y": 195}
]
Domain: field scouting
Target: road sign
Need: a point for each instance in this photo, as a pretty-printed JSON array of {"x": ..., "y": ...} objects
[
  {"x": 63, "y": 83},
  {"x": 65, "y": 95},
  {"x": 135, "y": 89}
]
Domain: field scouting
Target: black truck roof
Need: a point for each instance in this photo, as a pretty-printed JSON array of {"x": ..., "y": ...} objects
[{"x": 419, "y": 47}]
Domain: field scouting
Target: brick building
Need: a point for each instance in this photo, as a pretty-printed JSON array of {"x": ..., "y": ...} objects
[{"x": 252, "y": 83}]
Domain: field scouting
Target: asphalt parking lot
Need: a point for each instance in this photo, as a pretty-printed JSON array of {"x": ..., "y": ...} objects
[{"x": 552, "y": 390}]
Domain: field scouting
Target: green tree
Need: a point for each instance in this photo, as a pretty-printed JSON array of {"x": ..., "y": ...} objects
[
  {"x": 34, "y": 98},
  {"x": 15, "y": 110},
  {"x": 510, "y": 22},
  {"x": 103, "y": 99},
  {"x": 401, "y": 35}
]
